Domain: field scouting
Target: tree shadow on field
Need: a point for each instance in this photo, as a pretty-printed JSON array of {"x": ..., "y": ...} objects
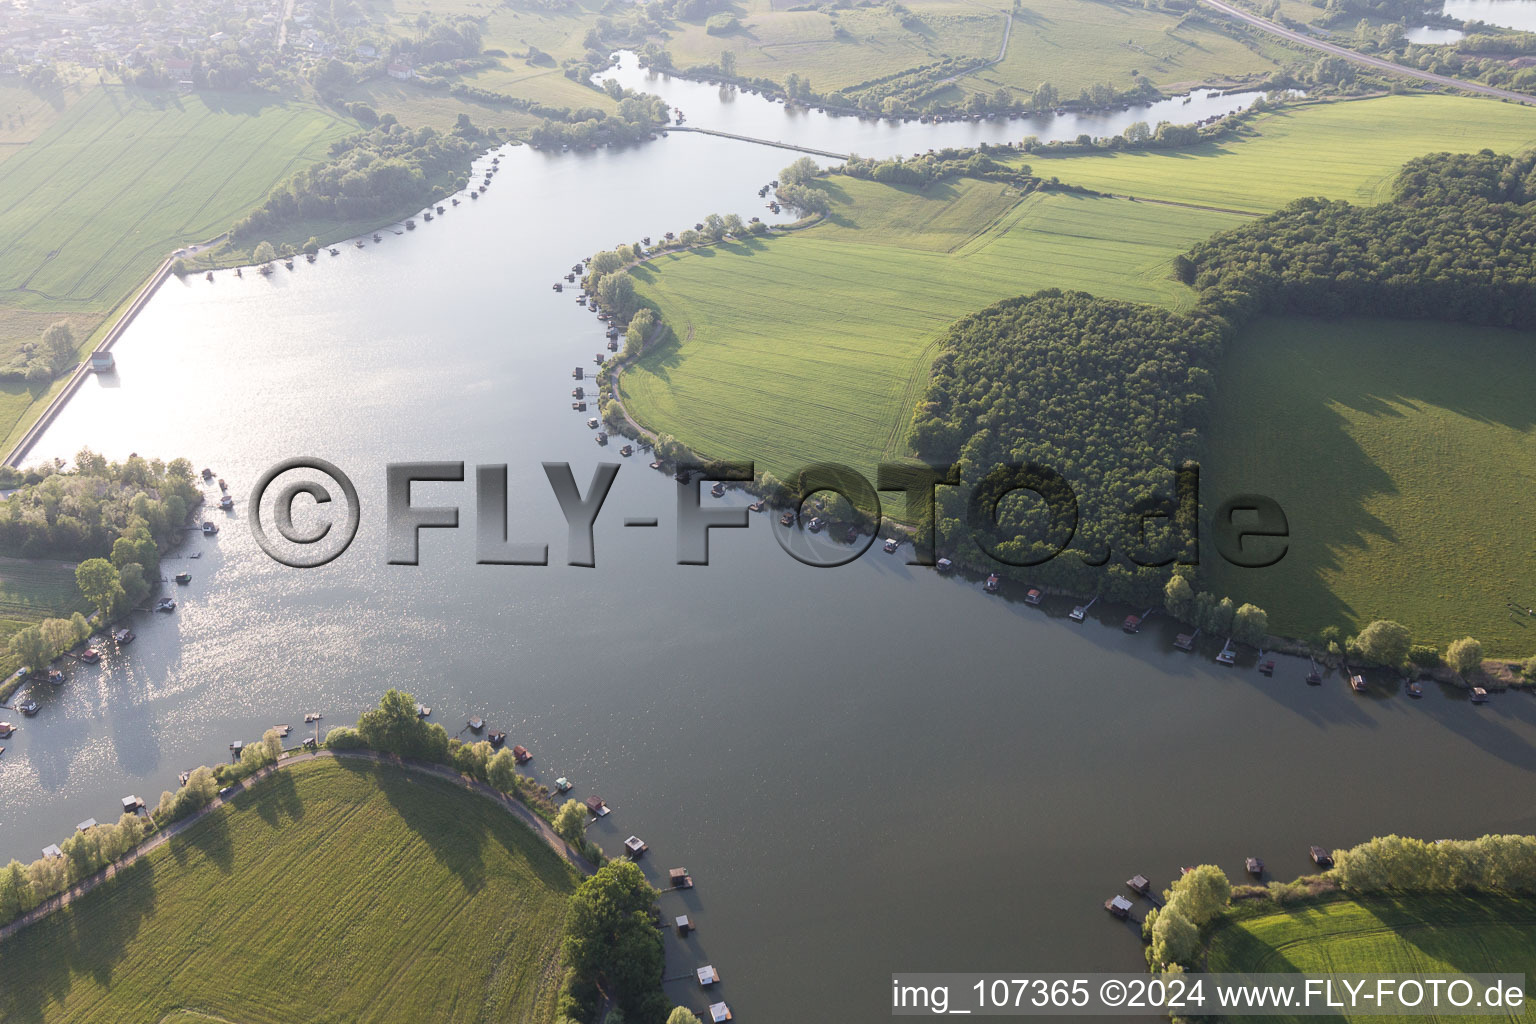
[
  {"x": 1453, "y": 928},
  {"x": 210, "y": 838},
  {"x": 277, "y": 800},
  {"x": 89, "y": 937},
  {"x": 455, "y": 839},
  {"x": 1314, "y": 380}
]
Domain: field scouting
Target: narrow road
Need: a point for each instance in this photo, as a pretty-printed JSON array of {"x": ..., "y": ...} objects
[
  {"x": 1364, "y": 59},
  {"x": 165, "y": 835}
]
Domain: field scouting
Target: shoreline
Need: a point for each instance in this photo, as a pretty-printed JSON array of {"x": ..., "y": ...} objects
[{"x": 162, "y": 836}]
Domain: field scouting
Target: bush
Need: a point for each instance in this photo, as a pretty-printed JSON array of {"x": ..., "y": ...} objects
[
  {"x": 721, "y": 24},
  {"x": 343, "y": 738}
]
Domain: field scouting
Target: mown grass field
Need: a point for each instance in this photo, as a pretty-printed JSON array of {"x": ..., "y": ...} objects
[
  {"x": 1347, "y": 151},
  {"x": 1404, "y": 453},
  {"x": 816, "y": 346},
  {"x": 1428, "y": 934},
  {"x": 331, "y": 892},
  {"x": 33, "y": 590}
]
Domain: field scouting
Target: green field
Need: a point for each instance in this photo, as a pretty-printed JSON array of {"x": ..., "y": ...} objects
[
  {"x": 815, "y": 346},
  {"x": 1077, "y": 43},
  {"x": 1382, "y": 935},
  {"x": 1347, "y": 151},
  {"x": 1070, "y": 43},
  {"x": 331, "y": 892},
  {"x": 1405, "y": 456},
  {"x": 32, "y": 590}
]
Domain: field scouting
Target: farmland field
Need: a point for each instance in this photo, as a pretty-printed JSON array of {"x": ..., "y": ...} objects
[
  {"x": 815, "y": 346},
  {"x": 1347, "y": 151},
  {"x": 35, "y": 589},
  {"x": 1070, "y": 43},
  {"x": 331, "y": 891},
  {"x": 1410, "y": 934},
  {"x": 1404, "y": 454}
]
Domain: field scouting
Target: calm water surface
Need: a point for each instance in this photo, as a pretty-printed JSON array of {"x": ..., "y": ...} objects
[
  {"x": 1518, "y": 14},
  {"x": 867, "y": 769},
  {"x": 1428, "y": 35}
]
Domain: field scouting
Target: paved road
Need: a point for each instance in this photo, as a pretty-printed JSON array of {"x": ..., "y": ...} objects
[
  {"x": 165, "y": 835},
  {"x": 1366, "y": 60}
]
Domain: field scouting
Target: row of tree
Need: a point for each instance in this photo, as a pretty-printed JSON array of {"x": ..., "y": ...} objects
[{"x": 1491, "y": 864}]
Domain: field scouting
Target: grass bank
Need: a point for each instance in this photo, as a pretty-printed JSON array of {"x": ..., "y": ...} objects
[{"x": 335, "y": 891}]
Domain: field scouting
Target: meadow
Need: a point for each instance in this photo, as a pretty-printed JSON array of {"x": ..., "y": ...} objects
[
  {"x": 815, "y": 346},
  {"x": 330, "y": 892},
  {"x": 1408, "y": 934},
  {"x": 35, "y": 589},
  {"x": 1072, "y": 44},
  {"x": 1342, "y": 150},
  {"x": 1077, "y": 43},
  {"x": 1404, "y": 453}
]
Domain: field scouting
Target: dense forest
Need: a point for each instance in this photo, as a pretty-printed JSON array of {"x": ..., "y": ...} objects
[
  {"x": 1456, "y": 242},
  {"x": 1109, "y": 395},
  {"x": 1112, "y": 395},
  {"x": 375, "y": 173}
]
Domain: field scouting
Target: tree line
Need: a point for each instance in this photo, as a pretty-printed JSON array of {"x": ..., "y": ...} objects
[{"x": 372, "y": 174}]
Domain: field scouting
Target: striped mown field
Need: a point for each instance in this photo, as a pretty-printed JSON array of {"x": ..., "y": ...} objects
[
  {"x": 89, "y": 207},
  {"x": 330, "y": 892},
  {"x": 815, "y": 346},
  {"x": 1408, "y": 934}
]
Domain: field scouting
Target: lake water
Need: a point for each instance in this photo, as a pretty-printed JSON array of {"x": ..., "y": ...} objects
[
  {"x": 1428, "y": 35},
  {"x": 867, "y": 769},
  {"x": 1517, "y": 14}
]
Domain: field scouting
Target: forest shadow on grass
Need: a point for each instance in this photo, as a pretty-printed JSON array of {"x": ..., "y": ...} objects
[
  {"x": 87, "y": 938},
  {"x": 455, "y": 839}
]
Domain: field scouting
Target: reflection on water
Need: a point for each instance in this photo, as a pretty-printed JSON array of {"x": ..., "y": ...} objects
[
  {"x": 1429, "y": 36},
  {"x": 873, "y": 767},
  {"x": 1517, "y": 14}
]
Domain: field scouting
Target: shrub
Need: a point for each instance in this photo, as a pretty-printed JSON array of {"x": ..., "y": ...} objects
[{"x": 343, "y": 738}]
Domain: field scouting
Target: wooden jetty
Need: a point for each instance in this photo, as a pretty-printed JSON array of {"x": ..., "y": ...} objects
[
  {"x": 1255, "y": 866},
  {"x": 1080, "y": 613},
  {"x": 1228, "y": 656},
  {"x": 1321, "y": 856},
  {"x": 1186, "y": 641}
]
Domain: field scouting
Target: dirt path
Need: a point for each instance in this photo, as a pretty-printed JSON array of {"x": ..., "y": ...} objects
[
  {"x": 165, "y": 835},
  {"x": 1360, "y": 58}
]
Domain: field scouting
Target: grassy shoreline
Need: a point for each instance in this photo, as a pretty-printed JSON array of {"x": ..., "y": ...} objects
[{"x": 458, "y": 906}]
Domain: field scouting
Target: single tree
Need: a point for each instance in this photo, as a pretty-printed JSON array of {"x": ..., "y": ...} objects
[
  {"x": 1384, "y": 642},
  {"x": 99, "y": 581},
  {"x": 571, "y": 822},
  {"x": 1464, "y": 655},
  {"x": 264, "y": 253}
]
